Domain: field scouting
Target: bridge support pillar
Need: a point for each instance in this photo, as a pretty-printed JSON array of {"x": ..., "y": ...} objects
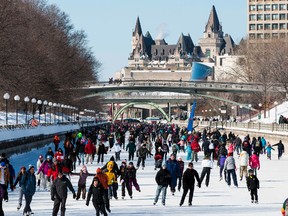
[{"x": 112, "y": 110}]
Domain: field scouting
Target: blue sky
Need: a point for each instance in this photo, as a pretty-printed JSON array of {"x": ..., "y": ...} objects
[{"x": 109, "y": 23}]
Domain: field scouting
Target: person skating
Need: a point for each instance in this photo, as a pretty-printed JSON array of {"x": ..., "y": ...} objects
[
  {"x": 124, "y": 179},
  {"x": 207, "y": 165},
  {"x": 174, "y": 169},
  {"x": 284, "y": 209},
  {"x": 97, "y": 192},
  {"x": 244, "y": 160},
  {"x": 253, "y": 186},
  {"x": 131, "y": 173},
  {"x": 189, "y": 177},
  {"x": 18, "y": 180},
  {"x": 83, "y": 174},
  {"x": 43, "y": 171},
  {"x": 59, "y": 193},
  {"x": 254, "y": 162},
  {"x": 230, "y": 167},
  {"x": 269, "y": 149},
  {"x": 280, "y": 147},
  {"x": 142, "y": 153},
  {"x": 181, "y": 165},
  {"x": 101, "y": 151},
  {"x": 131, "y": 148},
  {"x": 104, "y": 182},
  {"x": 4, "y": 179},
  {"x": 163, "y": 179},
  {"x": 28, "y": 182}
]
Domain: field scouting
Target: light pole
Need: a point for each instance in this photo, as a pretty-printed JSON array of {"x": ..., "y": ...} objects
[
  {"x": 26, "y": 100},
  {"x": 276, "y": 103},
  {"x": 54, "y": 105},
  {"x": 16, "y": 98},
  {"x": 6, "y": 98},
  {"x": 241, "y": 111},
  {"x": 39, "y": 102},
  {"x": 260, "y": 106},
  {"x": 249, "y": 105},
  {"x": 50, "y": 104},
  {"x": 45, "y": 102},
  {"x": 33, "y": 101},
  {"x": 62, "y": 107}
]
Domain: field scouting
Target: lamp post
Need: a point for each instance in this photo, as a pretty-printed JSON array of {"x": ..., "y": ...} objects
[
  {"x": 276, "y": 103},
  {"x": 241, "y": 111},
  {"x": 62, "y": 107},
  {"x": 33, "y": 101},
  {"x": 39, "y": 102},
  {"x": 26, "y": 100},
  {"x": 16, "y": 98},
  {"x": 50, "y": 104},
  {"x": 260, "y": 106},
  {"x": 54, "y": 105},
  {"x": 45, "y": 102},
  {"x": 249, "y": 105},
  {"x": 6, "y": 98}
]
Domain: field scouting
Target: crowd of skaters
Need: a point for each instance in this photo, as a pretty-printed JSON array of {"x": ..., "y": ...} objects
[{"x": 160, "y": 142}]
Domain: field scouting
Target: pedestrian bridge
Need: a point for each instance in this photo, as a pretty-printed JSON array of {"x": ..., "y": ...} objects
[{"x": 188, "y": 87}]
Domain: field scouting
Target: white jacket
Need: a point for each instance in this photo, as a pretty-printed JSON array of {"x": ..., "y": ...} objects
[
  {"x": 207, "y": 163},
  {"x": 244, "y": 158}
]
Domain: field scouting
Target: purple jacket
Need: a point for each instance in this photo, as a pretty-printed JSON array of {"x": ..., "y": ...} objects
[{"x": 44, "y": 167}]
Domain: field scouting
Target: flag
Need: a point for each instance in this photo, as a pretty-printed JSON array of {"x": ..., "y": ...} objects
[{"x": 191, "y": 117}]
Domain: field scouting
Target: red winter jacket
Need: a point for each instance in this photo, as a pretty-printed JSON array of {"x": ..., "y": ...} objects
[
  {"x": 254, "y": 162},
  {"x": 195, "y": 146},
  {"x": 89, "y": 147}
]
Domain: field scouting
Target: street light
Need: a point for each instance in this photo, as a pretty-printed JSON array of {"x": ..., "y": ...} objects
[
  {"x": 50, "y": 104},
  {"x": 276, "y": 103},
  {"x": 249, "y": 105},
  {"x": 6, "y": 98},
  {"x": 39, "y": 102},
  {"x": 33, "y": 101},
  {"x": 54, "y": 105},
  {"x": 62, "y": 107},
  {"x": 260, "y": 106},
  {"x": 16, "y": 98},
  {"x": 45, "y": 102},
  {"x": 241, "y": 111},
  {"x": 26, "y": 100}
]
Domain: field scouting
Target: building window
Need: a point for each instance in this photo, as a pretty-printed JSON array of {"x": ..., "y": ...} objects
[
  {"x": 252, "y": 8},
  {"x": 274, "y": 7},
  {"x": 267, "y": 26},
  {"x": 267, "y": 7},
  {"x": 267, "y": 17},
  {"x": 274, "y": 26},
  {"x": 252, "y": 17},
  {"x": 266, "y": 36},
  {"x": 282, "y": 35},
  {"x": 259, "y": 26},
  {"x": 156, "y": 52},
  {"x": 260, "y": 7},
  {"x": 252, "y": 27},
  {"x": 275, "y": 35},
  {"x": 163, "y": 52},
  {"x": 275, "y": 17},
  {"x": 207, "y": 52},
  {"x": 260, "y": 36},
  {"x": 282, "y": 16},
  {"x": 282, "y": 26},
  {"x": 252, "y": 36},
  {"x": 282, "y": 6},
  {"x": 259, "y": 16}
]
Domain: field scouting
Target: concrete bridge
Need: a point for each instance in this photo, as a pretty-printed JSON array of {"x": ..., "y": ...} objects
[{"x": 188, "y": 87}]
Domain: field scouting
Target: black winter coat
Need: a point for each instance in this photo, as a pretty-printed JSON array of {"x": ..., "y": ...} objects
[
  {"x": 163, "y": 177},
  {"x": 252, "y": 182},
  {"x": 101, "y": 149},
  {"x": 59, "y": 187},
  {"x": 97, "y": 193},
  {"x": 189, "y": 178}
]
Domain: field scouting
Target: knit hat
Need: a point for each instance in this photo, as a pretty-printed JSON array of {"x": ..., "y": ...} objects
[
  {"x": 164, "y": 165},
  {"x": 3, "y": 164},
  {"x": 98, "y": 170},
  {"x": 112, "y": 158},
  {"x": 84, "y": 168},
  {"x": 124, "y": 161},
  {"x": 49, "y": 157},
  {"x": 30, "y": 167},
  {"x": 40, "y": 156},
  {"x": 23, "y": 167},
  {"x": 131, "y": 163},
  {"x": 95, "y": 179}
]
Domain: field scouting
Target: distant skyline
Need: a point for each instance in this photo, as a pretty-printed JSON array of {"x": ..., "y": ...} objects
[{"x": 109, "y": 24}]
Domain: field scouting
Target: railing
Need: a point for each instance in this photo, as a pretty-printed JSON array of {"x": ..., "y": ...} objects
[{"x": 249, "y": 126}]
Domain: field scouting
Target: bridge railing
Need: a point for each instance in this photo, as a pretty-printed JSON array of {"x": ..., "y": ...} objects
[{"x": 273, "y": 127}]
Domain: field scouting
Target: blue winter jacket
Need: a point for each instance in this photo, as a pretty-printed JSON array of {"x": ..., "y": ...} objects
[
  {"x": 28, "y": 182},
  {"x": 174, "y": 169}
]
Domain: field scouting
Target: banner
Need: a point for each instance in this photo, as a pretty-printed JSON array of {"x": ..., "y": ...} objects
[{"x": 191, "y": 118}]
